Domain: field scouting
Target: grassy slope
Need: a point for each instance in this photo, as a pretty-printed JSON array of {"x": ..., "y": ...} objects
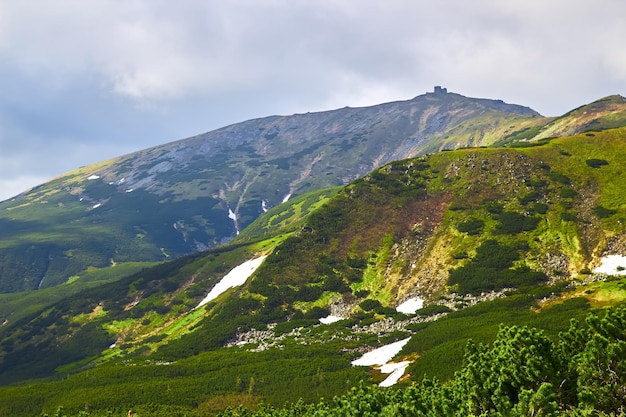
[{"x": 355, "y": 233}]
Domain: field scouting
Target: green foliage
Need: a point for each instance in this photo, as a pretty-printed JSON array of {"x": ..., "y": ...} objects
[
  {"x": 432, "y": 310},
  {"x": 599, "y": 362},
  {"x": 559, "y": 178},
  {"x": 522, "y": 373},
  {"x": 511, "y": 223},
  {"x": 567, "y": 192},
  {"x": 603, "y": 212},
  {"x": 494, "y": 207},
  {"x": 540, "y": 208},
  {"x": 491, "y": 270},
  {"x": 369, "y": 304},
  {"x": 596, "y": 163},
  {"x": 529, "y": 198},
  {"x": 288, "y": 216},
  {"x": 471, "y": 226},
  {"x": 343, "y": 249}
]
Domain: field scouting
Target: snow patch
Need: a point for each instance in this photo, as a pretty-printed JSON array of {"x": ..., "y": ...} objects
[
  {"x": 330, "y": 319},
  {"x": 396, "y": 370},
  {"x": 233, "y": 217},
  {"x": 96, "y": 205},
  {"x": 235, "y": 278},
  {"x": 264, "y": 206},
  {"x": 612, "y": 265},
  {"x": 410, "y": 306},
  {"x": 130, "y": 190},
  {"x": 93, "y": 177},
  {"x": 382, "y": 357},
  {"x": 286, "y": 198}
]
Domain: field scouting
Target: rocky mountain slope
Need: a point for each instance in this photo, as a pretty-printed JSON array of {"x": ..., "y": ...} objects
[{"x": 193, "y": 194}]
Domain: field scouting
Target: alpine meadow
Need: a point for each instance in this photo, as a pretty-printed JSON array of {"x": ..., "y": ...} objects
[{"x": 439, "y": 256}]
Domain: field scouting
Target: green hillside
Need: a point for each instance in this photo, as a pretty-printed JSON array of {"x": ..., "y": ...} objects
[
  {"x": 486, "y": 237},
  {"x": 191, "y": 195}
]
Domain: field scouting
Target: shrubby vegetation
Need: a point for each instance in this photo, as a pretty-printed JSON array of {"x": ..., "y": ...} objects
[
  {"x": 596, "y": 163},
  {"x": 358, "y": 247},
  {"x": 471, "y": 226},
  {"x": 491, "y": 269},
  {"x": 511, "y": 223},
  {"x": 523, "y": 372}
]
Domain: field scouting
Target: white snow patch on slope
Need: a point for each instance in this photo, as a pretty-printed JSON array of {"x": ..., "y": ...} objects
[
  {"x": 93, "y": 177},
  {"x": 286, "y": 198},
  {"x": 236, "y": 277},
  {"x": 330, "y": 319},
  {"x": 612, "y": 265},
  {"x": 410, "y": 306},
  {"x": 233, "y": 217},
  {"x": 264, "y": 206},
  {"x": 396, "y": 370},
  {"x": 382, "y": 357},
  {"x": 96, "y": 205}
]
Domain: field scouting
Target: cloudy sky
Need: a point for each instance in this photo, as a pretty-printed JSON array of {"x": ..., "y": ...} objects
[{"x": 86, "y": 80}]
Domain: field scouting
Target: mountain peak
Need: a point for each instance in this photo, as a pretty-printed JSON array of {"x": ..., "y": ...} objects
[{"x": 197, "y": 193}]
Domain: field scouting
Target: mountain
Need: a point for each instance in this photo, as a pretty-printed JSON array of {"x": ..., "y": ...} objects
[
  {"x": 605, "y": 113},
  {"x": 421, "y": 255},
  {"x": 191, "y": 195}
]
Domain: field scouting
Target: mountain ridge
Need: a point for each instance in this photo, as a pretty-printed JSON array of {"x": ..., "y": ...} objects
[{"x": 193, "y": 194}]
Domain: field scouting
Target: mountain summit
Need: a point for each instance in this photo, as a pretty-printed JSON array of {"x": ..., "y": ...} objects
[{"x": 196, "y": 193}]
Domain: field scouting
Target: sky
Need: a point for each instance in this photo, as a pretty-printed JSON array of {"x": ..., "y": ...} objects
[{"x": 84, "y": 81}]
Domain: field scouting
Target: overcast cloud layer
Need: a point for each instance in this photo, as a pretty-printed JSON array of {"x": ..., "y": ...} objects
[{"x": 83, "y": 81}]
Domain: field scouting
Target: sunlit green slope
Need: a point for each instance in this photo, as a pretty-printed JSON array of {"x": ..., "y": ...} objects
[{"x": 483, "y": 236}]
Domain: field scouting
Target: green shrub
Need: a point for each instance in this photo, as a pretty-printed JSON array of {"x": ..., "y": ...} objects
[
  {"x": 511, "y": 223},
  {"x": 369, "y": 304},
  {"x": 559, "y": 178},
  {"x": 433, "y": 310},
  {"x": 603, "y": 212},
  {"x": 567, "y": 192},
  {"x": 471, "y": 226},
  {"x": 494, "y": 207},
  {"x": 540, "y": 208},
  {"x": 568, "y": 216},
  {"x": 529, "y": 198},
  {"x": 317, "y": 313},
  {"x": 596, "y": 163}
]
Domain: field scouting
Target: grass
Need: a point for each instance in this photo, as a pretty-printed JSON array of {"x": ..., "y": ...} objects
[
  {"x": 17, "y": 306},
  {"x": 345, "y": 231},
  {"x": 287, "y": 216}
]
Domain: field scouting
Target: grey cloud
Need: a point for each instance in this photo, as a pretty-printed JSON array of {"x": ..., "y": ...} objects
[{"x": 97, "y": 79}]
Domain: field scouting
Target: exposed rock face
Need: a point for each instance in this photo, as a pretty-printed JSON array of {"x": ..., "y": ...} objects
[
  {"x": 199, "y": 192},
  {"x": 306, "y": 151}
]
